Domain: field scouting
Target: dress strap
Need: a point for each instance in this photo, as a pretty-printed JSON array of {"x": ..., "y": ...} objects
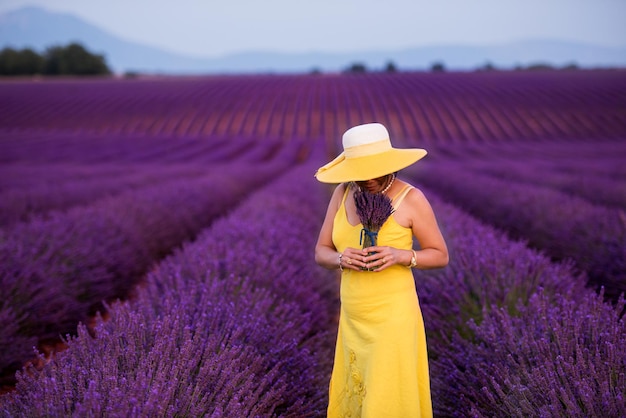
[
  {"x": 345, "y": 193},
  {"x": 397, "y": 199}
]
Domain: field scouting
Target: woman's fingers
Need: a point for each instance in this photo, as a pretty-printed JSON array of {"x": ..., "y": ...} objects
[
  {"x": 354, "y": 258},
  {"x": 371, "y": 258}
]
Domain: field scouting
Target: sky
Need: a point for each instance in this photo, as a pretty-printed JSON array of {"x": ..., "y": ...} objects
[{"x": 210, "y": 28}]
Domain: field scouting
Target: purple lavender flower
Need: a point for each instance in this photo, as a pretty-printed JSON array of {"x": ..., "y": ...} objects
[{"x": 373, "y": 210}]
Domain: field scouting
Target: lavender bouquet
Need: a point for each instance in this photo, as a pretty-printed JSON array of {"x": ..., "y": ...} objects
[{"x": 373, "y": 210}]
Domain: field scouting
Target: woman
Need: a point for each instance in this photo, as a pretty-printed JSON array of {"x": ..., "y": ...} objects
[{"x": 381, "y": 365}]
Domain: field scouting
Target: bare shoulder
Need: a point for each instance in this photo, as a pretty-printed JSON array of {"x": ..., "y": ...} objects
[
  {"x": 335, "y": 200},
  {"x": 339, "y": 191},
  {"x": 415, "y": 194},
  {"x": 341, "y": 187},
  {"x": 419, "y": 213},
  {"x": 417, "y": 199}
]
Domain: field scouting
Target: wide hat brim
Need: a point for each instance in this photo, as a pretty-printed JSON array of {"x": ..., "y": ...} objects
[{"x": 343, "y": 169}]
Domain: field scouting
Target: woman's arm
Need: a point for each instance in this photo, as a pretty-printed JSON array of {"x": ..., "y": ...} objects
[
  {"x": 433, "y": 251},
  {"x": 326, "y": 255}
]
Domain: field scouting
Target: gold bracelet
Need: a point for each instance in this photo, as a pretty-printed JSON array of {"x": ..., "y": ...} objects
[{"x": 413, "y": 260}]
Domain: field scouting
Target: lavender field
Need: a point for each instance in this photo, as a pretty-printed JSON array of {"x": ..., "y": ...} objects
[{"x": 157, "y": 234}]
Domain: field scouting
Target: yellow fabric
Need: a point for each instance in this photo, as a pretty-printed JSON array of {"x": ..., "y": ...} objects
[
  {"x": 365, "y": 167},
  {"x": 400, "y": 197},
  {"x": 381, "y": 365},
  {"x": 364, "y": 150}
]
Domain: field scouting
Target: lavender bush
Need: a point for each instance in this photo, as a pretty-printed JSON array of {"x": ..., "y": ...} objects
[
  {"x": 56, "y": 271},
  {"x": 233, "y": 283},
  {"x": 25, "y": 175},
  {"x": 556, "y": 358},
  {"x": 62, "y": 170},
  {"x": 238, "y": 323},
  {"x": 596, "y": 189},
  {"x": 23, "y": 203},
  {"x": 594, "y": 237},
  {"x": 512, "y": 334},
  {"x": 152, "y": 366},
  {"x": 52, "y": 146},
  {"x": 113, "y": 149},
  {"x": 487, "y": 270}
]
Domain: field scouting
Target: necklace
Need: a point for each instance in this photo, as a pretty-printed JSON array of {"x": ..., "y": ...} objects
[
  {"x": 383, "y": 191},
  {"x": 393, "y": 177}
]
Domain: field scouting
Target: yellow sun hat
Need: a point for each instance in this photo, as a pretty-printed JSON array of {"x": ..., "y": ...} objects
[{"x": 367, "y": 154}]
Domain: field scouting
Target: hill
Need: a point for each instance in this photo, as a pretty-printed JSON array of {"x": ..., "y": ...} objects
[{"x": 38, "y": 28}]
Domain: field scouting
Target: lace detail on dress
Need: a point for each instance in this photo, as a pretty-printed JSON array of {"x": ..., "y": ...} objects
[{"x": 355, "y": 390}]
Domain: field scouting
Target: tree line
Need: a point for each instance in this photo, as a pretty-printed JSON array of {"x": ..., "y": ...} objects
[
  {"x": 72, "y": 59},
  {"x": 440, "y": 67}
]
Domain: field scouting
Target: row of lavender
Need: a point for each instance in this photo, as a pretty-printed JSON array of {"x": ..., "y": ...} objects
[
  {"x": 57, "y": 172},
  {"x": 42, "y": 191},
  {"x": 57, "y": 268},
  {"x": 592, "y": 170},
  {"x": 452, "y": 107},
  {"x": 512, "y": 334},
  {"x": 591, "y": 157},
  {"x": 49, "y": 146},
  {"x": 560, "y": 205},
  {"x": 238, "y": 323},
  {"x": 600, "y": 189}
]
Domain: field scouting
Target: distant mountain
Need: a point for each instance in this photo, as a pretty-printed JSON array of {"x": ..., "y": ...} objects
[{"x": 38, "y": 28}]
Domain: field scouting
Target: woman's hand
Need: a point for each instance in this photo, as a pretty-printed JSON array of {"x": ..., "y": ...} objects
[
  {"x": 353, "y": 258},
  {"x": 380, "y": 258}
]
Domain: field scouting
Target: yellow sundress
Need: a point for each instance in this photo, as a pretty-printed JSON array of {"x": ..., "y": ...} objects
[{"x": 381, "y": 364}]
